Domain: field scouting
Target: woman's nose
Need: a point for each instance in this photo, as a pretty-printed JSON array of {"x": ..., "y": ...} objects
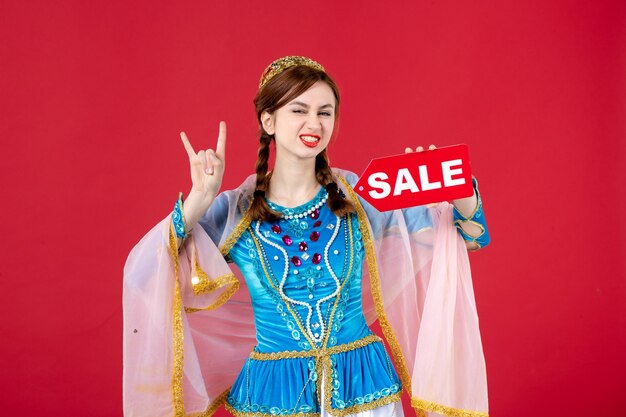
[{"x": 314, "y": 122}]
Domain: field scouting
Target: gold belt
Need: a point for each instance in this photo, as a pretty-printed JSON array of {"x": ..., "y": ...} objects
[{"x": 315, "y": 352}]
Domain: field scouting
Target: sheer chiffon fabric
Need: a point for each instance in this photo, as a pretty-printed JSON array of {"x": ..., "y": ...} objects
[{"x": 189, "y": 328}]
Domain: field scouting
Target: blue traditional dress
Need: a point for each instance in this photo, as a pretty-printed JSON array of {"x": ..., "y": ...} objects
[
  {"x": 296, "y": 340},
  {"x": 304, "y": 276}
]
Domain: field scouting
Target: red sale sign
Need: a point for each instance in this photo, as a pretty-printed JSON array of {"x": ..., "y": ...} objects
[{"x": 417, "y": 178}]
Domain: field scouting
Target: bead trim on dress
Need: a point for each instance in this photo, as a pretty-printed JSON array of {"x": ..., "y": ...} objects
[{"x": 302, "y": 210}]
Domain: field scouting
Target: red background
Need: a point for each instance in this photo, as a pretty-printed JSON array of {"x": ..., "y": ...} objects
[{"x": 94, "y": 94}]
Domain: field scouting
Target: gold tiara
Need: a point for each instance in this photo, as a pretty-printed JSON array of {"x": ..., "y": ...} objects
[{"x": 283, "y": 63}]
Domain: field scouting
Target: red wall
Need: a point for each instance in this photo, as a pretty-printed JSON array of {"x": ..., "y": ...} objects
[{"x": 93, "y": 96}]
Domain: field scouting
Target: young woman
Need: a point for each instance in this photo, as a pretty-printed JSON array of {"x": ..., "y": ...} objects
[{"x": 319, "y": 265}]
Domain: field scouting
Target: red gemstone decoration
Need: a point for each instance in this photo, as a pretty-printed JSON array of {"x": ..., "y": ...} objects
[
  {"x": 303, "y": 246},
  {"x": 296, "y": 261},
  {"x": 315, "y": 214},
  {"x": 316, "y": 258},
  {"x": 317, "y": 223},
  {"x": 275, "y": 228},
  {"x": 287, "y": 240},
  {"x": 315, "y": 235}
]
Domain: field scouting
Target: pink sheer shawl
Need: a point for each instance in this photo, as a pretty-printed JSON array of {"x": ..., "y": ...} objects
[{"x": 189, "y": 326}]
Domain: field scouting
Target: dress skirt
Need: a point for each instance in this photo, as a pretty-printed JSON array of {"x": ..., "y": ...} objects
[{"x": 389, "y": 410}]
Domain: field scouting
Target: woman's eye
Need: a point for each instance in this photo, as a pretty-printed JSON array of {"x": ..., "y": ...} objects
[{"x": 324, "y": 113}]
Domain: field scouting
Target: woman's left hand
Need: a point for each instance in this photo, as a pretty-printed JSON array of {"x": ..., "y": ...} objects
[
  {"x": 419, "y": 149},
  {"x": 464, "y": 205}
]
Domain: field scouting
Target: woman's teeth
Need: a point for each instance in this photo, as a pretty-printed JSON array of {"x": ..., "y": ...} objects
[{"x": 310, "y": 139}]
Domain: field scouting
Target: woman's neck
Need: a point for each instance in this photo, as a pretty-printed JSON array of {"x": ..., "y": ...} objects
[{"x": 293, "y": 183}]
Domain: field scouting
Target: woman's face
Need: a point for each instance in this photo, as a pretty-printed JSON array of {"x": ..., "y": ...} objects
[{"x": 303, "y": 127}]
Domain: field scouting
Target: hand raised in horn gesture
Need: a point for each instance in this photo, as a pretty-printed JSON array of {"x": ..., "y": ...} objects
[{"x": 207, "y": 171}]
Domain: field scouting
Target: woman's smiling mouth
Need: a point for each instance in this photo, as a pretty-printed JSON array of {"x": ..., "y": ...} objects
[{"x": 310, "y": 140}]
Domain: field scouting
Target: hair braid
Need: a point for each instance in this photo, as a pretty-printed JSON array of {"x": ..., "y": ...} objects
[
  {"x": 259, "y": 209},
  {"x": 336, "y": 202}
]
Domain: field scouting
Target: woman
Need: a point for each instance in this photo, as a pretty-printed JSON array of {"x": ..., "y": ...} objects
[{"x": 297, "y": 236}]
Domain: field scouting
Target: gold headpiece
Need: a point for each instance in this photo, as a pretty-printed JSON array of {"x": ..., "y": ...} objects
[{"x": 282, "y": 64}]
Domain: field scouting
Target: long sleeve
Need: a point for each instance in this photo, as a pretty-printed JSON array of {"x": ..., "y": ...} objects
[
  {"x": 418, "y": 285},
  {"x": 188, "y": 327}
]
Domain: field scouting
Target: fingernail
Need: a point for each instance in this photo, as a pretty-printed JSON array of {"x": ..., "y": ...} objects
[{"x": 210, "y": 171}]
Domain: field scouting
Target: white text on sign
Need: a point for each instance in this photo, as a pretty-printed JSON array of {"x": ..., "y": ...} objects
[{"x": 405, "y": 181}]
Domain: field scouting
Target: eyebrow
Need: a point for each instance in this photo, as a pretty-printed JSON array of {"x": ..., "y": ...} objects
[{"x": 307, "y": 106}]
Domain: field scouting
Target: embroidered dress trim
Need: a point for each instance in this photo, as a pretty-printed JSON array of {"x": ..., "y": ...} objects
[
  {"x": 324, "y": 366},
  {"x": 357, "y": 408},
  {"x": 290, "y": 354},
  {"x": 271, "y": 413},
  {"x": 178, "y": 335},
  {"x": 202, "y": 284},
  {"x": 442, "y": 409},
  {"x": 237, "y": 231},
  {"x": 477, "y": 218}
]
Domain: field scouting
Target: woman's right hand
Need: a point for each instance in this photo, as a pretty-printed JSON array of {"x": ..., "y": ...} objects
[
  {"x": 207, "y": 166},
  {"x": 207, "y": 170}
]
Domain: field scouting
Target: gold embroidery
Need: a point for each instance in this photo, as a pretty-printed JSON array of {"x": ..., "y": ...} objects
[
  {"x": 334, "y": 411},
  {"x": 446, "y": 411},
  {"x": 213, "y": 407},
  {"x": 326, "y": 364},
  {"x": 291, "y": 354},
  {"x": 357, "y": 408},
  {"x": 178, "y": 336},
  {"x": 458, "y": 223},
  {"x": 319, "y": 370},
  {"x": 478, "y": 203},
  {"x": 206, "y": 285},
  {"x": 237, "y": 231},
  {"x": 223, "y": 297},
  {"x": 474, "y": 238},
  {"x": 238, "y": 413},
  {"x": 372, "y": 267},
  {"x": 328, "y": 382}
]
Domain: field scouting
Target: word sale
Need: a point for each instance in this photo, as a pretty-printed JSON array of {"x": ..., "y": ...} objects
[{"x": 405, "y": 181}]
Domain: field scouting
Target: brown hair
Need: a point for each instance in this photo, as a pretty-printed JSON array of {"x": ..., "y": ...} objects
[{"x": 279, "y": 91}]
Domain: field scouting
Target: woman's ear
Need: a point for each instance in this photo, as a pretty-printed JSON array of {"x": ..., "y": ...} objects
[{"x": 267, "y": 121}]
